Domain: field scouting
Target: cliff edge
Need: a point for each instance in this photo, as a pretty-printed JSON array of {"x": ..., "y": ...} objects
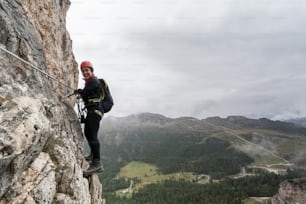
[
  {"x": 41, "y": 142},
  {"x": 291, "y": 192}
]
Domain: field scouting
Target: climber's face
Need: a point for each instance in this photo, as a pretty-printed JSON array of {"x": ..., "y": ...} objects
[{"x": 86, "y": 71}]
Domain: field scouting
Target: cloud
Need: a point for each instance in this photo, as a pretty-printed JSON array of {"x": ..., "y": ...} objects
[{"x": 198, "y": 58}]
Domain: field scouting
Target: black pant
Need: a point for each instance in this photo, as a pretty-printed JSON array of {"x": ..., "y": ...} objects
[{"x": 92, "y": 124}]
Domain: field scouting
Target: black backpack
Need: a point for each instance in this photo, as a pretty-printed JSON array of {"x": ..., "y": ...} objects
[{"x": 106, "y": 97}]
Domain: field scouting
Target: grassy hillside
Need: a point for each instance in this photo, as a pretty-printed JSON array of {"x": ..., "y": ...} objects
[
  {"x": 212, "y": 146},
  {"x": 165, "y": 147},
  {"x": 173, "y": 151}
]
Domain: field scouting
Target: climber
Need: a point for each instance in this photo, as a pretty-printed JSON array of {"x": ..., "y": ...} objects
[{"x": 89, "y": 94}]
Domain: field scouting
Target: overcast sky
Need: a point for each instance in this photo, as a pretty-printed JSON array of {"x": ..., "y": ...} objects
[{"x": 196, "y": 58}]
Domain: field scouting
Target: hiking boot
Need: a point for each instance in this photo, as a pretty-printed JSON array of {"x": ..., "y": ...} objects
[
  {"x": 95, "y": 167},
  {"x": 89, "y": 157}
]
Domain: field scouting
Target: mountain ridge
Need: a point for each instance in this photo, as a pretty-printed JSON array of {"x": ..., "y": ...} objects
[
  {"x": 214, "y": 146},
  {"x": 263, "y": 135},
  {"x": 233, "y": 121}
]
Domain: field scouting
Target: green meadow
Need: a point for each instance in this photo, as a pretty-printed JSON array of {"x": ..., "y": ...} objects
[{"x": 148, "y": 174}]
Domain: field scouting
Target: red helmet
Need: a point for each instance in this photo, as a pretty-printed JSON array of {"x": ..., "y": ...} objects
[{"x": 86, "y": 64}]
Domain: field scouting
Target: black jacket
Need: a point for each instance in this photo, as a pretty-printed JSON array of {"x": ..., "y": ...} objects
[{"x": 92, "y": 90}]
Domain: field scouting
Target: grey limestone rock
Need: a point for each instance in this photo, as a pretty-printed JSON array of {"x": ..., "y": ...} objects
[{"x": 41, "y": 142}]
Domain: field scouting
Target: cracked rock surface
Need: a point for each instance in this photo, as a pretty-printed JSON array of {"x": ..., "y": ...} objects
[{"x": 41, "y": 142}]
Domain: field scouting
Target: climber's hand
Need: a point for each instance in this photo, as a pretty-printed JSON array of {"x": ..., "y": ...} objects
[{"x": 77, "y": 91}]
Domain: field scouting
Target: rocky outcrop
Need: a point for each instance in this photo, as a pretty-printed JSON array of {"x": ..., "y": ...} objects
[
  {"x": 41, "y": 142},
  {"x": 291, "y": 192}
]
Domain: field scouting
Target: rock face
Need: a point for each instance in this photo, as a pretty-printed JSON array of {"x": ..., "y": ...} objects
[
  {"x": 41, "y": 142},
  {"x": 291, "y": 192}
]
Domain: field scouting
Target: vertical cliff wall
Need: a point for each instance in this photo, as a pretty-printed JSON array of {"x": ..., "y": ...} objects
[{"x": 41, "y": 142}]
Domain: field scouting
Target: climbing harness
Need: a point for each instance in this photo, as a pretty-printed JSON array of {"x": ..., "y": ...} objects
[
  {"x": 35, "y": 67},
  {"x": 81, "y": 108}
]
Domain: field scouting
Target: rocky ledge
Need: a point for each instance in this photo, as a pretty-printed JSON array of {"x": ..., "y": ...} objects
[{"x": 291, "y": 192}]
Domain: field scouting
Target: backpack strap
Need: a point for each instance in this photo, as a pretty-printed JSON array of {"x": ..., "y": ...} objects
[{"x": 102, "y": 92}]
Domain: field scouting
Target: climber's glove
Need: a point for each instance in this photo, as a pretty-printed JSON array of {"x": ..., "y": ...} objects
[{"x": 77, "y": 91}]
